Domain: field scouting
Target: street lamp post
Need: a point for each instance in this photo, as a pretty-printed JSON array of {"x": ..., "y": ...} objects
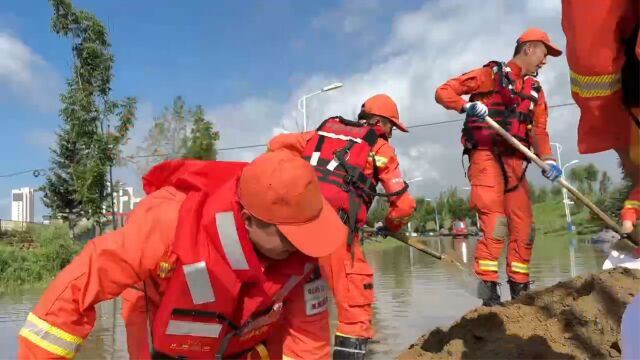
[
  {"x": 565, "y": 200},
  {"x": 565, "y": 196},
  {"x": 408, "y": 181},
  {"x": 435, "y": 208},
  {"x": 302, "y": 103}
]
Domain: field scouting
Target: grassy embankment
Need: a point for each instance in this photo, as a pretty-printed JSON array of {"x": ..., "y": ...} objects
[{"x": 33, "y": 257}]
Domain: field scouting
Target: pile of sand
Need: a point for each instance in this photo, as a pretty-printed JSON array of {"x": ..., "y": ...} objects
[{"x": 578, "y": 318}]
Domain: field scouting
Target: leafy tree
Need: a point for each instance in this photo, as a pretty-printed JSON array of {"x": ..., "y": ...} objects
[
  {"x": 202, "y": 143},
  {"x": 76, "y": 186},
  {"x": 178, "y": 133},
  {"x": 605, "y": 184},
  {"x": 422, "y": 216},
  {"x": 584, "y": 176},
  {"x": 378, "y": 211},
  {"x": 533, "y": 194},
  {"x": 556, "y": 191},
  {"x": 543, "y": 194}
]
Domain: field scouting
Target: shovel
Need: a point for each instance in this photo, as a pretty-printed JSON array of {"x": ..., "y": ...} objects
[
  {"x": 628, "y": 243},
  {"x": 469, "y": 281}
]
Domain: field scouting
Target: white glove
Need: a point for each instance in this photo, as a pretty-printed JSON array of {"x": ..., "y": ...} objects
[{"x": 476, "y": 109}]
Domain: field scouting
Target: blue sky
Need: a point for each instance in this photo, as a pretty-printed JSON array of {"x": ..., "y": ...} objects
[
  {"x": 247, "y": 62},
  {"x": 209, "y": 52}
]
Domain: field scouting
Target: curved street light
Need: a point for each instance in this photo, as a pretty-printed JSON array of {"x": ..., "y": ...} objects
[{"x": 302, "y": 103}]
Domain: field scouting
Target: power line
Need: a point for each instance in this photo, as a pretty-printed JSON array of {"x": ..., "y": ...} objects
[
  {"x": 410, "y": 127},
  {"x": 462, "y": 119},
  {"x": 264, "y": 145},
  {"x": 35, "y": 172}
]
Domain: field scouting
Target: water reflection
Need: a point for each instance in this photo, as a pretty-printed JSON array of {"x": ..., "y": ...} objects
[{"x": 414, "y": 293}]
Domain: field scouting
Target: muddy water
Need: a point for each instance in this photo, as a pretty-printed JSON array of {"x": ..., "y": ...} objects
[{"x": 414, "y": 293}]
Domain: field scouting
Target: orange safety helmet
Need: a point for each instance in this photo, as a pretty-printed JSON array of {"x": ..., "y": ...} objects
[{"x": 383, "y": 105}]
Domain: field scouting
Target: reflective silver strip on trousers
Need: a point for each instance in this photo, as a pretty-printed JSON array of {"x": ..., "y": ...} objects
[
  {"x": 199, "y": 282},
  {"x": 230, "y": 242}
]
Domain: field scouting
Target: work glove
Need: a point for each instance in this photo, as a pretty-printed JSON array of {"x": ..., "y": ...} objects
[
  {"x": 476, "y": 109},
  {"x": 382, "y": 231},
  {"x": 554, "y": 171}
]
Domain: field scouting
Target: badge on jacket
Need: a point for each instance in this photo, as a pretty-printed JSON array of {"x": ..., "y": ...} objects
[{"x": 316, "y": 296}]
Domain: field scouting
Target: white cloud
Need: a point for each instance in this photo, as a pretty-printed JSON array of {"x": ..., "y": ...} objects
[
  {"x": 252, "y": 121},
  {"x": 26, "y": 75}
]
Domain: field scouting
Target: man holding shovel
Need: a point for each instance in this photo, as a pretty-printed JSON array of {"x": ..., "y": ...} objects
[{"x": 510, "y": 94}]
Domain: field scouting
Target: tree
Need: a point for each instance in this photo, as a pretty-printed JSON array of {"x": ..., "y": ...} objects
[
  {"x": 202, "y": 143},
  {"x": 543, "y": 194},
  {"x": 423, "y": 214},
  {"x": 605, "y": 184},
  {"x": 556, "y": 190},
  {"x": 378, "y": 211},
  {"x": 591, "y": 176},
  {"x": 178, "y": 133},
  {"x": 584, "y": 176},
  {"x": 533, "y": 194},
  {"x": 76, "y": 186}
]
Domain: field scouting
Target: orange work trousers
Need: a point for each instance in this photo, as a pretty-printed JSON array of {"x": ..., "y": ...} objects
[
  {"x": 504, "y": 216},
  {"x": 351, "y": 281}
]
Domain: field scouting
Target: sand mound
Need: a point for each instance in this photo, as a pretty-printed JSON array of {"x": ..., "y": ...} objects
[{"x": 579, "y": 318}]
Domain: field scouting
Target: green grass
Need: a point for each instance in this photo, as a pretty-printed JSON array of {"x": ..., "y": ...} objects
[
  {"x": 34, "y": 267},
  {"x": 550, "y": 218}
]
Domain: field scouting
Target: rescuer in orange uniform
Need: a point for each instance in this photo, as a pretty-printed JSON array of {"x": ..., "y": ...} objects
[
  {"x": 603, "y": 52},
  {"x": 218, "y": 261},
  {"x": 373, "y": 160},
  {"x": 510, "y": 94}
]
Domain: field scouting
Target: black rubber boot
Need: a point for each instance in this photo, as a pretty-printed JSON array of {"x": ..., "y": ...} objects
[
  {"x": 493, "y": 298},
  {"x": 349, "y": 348},
  {"x": 517, "y": 288}
]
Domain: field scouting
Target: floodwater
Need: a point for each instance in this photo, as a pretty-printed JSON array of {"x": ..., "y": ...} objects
[{"x": 414, "y": 293}]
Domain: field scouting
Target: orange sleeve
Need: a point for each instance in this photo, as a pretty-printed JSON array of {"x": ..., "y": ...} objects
[
  {"x": 450, "y": 93},
  {"x": 400, "y": 207},
  {"x": 305, "y": 333},
  {"x": 631, "y": 209},
  {"x": 541, "y": 142},
  {"x": 295, "y": 142},
  {"x": 106, "y": 266}
]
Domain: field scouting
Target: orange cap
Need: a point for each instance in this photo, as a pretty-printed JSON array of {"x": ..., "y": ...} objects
[
  {"x": 535, "y": 34},
  {"x": 383, "y": 105},
  {"x": 280, "y": 188}
]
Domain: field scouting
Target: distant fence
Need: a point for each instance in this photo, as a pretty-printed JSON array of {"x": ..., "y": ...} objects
[{"x": 6, "y": 225}]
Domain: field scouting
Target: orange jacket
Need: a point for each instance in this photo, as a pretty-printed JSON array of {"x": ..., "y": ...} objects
[
  {"x": 401, "y": 207},
  {"x": 480, "y": 81},
  {"x": 116, "y": 263}
]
